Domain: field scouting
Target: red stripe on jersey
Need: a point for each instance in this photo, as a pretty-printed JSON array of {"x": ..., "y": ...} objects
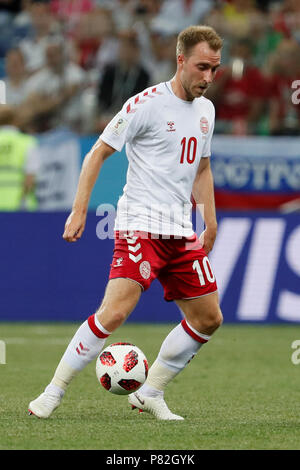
[
  {"x": 154, "y": 90},
  {"x": 191, "y": 332},
  {"x": 137, "y": 100},
  {"x": 95, "y": 329}
]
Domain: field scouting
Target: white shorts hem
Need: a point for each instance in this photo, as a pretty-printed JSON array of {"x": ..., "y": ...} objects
[
  {"x": 198, "y": 296},
  {"x": 124, "y": 277}
]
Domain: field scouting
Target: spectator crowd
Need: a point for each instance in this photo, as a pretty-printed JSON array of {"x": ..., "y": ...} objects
[{"x": 73, "y": 63}]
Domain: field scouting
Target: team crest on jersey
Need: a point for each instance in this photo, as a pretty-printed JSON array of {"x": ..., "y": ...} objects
[
  {"x": 171, "y": 127},
  {"x": 204, "y": 126},
  {"x": 145, "y": 269}
]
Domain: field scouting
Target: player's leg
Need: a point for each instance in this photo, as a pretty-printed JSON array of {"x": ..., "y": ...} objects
[
  {"x": 202, "y": 314},
  {"x": 187, "y": 277},
  {"x": 121, "y": 297},
  {"x": 202, "y": 317}
]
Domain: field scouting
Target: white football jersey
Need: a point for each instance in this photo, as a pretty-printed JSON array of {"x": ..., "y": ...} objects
[{"x": 165, "y": 139}]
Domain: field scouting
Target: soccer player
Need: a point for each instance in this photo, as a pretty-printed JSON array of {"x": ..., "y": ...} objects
[{"x": 167, "y": 130}]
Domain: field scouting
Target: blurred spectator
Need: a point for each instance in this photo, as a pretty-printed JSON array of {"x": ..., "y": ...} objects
[
  {"x": 150, "y": 8},
  {"x": 6, "y": 30},
  {"x": 69, "y": 12},
  {"x": 114, "y": 65},
  {"x": 43, "y": 29},
  {"x": 58, "y": 174},
  {"x": 176, "y": 15},
  {"x": 266, "y": 40},
  {"x": 55, "y": 90},
  {"x": 122, "y": 80},
  {"x": 23, "y": 17},
  {"x": 234, "y": 19},
  {"x": 22, "y": 24},
  {"x": 16, "y": 77},
  {"x": 126, "y": 12},
  {"x": 107, "y": 52},
  {"x": 283, "y": 70},
  {"x": 123, "y": 13},
  {"x": 91, "y": 35},
  {"x": 18, "y": 164},
  {"x": 163, "y": 65},
  {"x": 287, "y": 19},
  {"x": 238, "y": 92}
]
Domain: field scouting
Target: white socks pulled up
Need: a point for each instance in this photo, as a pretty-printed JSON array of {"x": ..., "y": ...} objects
[
  {"x": 84, "y": 347},
  {"x": 177, "y": 350}
]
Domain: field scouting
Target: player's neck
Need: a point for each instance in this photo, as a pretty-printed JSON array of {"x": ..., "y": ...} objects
[{"x": 178, "y": 89}]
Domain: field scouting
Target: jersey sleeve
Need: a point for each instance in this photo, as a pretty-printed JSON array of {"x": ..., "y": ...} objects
[
  {"x": 130, "y": 122},
  {"x": 207, "y": 146}
]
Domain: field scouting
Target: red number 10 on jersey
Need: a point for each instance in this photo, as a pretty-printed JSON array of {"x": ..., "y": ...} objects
[{"x": 189, "y": 150}]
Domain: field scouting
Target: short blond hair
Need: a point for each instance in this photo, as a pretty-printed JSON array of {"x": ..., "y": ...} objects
[{"x": 189, "y": 37}]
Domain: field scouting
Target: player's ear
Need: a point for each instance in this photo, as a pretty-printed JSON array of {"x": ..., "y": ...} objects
[{"x": 180, "y": 59}]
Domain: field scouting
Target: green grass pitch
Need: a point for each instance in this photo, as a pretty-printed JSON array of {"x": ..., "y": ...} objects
[{"x": 241, "y": 391}]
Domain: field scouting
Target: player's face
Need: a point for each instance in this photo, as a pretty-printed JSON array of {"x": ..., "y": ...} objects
[{"x": 198, "y": 69}]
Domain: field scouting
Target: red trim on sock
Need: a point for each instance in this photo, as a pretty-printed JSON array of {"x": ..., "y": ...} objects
[
  {"x": 191, "y": 333},
  {"x": 95, "y": 329}
]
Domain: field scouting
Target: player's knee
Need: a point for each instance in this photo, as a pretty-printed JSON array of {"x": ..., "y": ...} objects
[
  {"x": 113, "y": 319},
  {"x": 118, "y": 316},
  {"x": 211, "y": 321},
  {"x": 218, "y": 319},
  {"x": 215, "y": 318}
]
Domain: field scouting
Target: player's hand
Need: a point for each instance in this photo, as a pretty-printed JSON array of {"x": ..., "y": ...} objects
[
  {"x": 74, "y": 226},
  {"x": 207, "y": 239}
]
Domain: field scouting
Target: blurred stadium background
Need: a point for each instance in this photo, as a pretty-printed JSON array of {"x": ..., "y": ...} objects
[{"x": 66, "y": 68}]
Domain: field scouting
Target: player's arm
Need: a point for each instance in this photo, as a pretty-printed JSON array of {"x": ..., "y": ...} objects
[
  {"x": 31, "y": 168},
  {"x": 29, "y": 184},
  {"x": 92, "y": 164},
  {"x": 119, "y": 131},
  {"x": 203, "y": 193}
]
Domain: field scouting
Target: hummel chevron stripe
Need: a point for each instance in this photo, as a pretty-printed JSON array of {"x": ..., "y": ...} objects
[
  {"x": 136, "y": 259},
  {"x": 131, "y": 241},
  {"x": 134, "y": 248}
]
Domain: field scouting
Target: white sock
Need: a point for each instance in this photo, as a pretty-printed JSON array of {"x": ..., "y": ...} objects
[
  {"x": 177, "y": 350},
  {"x": 85, "y": 345}
]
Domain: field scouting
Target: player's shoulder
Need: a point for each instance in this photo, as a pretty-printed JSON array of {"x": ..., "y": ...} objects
[
  {"x": 145, "y": 99},
  {"x": 207, "y": 105}
]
